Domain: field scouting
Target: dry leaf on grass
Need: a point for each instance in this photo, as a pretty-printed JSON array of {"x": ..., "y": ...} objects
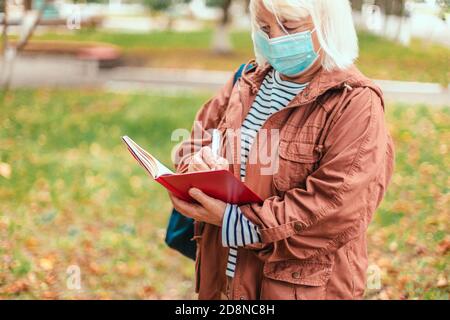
[{"x": 5, "y": 170}]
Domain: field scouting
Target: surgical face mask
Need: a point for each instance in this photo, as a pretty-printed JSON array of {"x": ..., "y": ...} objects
[{"x": 291, "y": 54}]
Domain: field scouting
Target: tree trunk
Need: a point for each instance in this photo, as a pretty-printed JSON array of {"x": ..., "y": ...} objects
[
  {"x": 221, "y": 40},
  {"x": 7, "y": 55},
  {"x": 247, "y": 6},
  {"x": 357, "y": 5},
  {"x": 28, "y": 5},
  {"x": 5, "y": 27},
  {"x": 392, "y": 9},
  {"x": 10, "y": 53}
]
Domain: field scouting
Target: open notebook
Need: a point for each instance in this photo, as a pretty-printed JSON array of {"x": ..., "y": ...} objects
[{"x": 219, "y": 184}]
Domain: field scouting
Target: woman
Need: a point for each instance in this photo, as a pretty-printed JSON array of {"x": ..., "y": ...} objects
[{"x": 332, "y": 161}]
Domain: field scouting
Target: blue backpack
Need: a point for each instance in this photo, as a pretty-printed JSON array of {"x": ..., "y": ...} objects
[{"x": 180, "y": 230}]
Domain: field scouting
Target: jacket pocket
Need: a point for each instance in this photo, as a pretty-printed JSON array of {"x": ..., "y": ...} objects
[
  {"x": 296, "y": 162},
  {"x": 295, "y": 280}
]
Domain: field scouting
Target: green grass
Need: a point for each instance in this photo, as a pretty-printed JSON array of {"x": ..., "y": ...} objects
[
  {"x": 379, "y": 58},
  {"x": 76, "y": 197}
]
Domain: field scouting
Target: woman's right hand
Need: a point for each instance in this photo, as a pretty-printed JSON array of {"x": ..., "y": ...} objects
[{"x": 205, "y": 160}]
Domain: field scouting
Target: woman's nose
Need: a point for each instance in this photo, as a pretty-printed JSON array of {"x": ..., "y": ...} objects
[{"x": 276, "y": 32}]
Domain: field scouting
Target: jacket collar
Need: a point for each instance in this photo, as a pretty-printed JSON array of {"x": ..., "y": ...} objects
[{"x": 324, "y": 81}]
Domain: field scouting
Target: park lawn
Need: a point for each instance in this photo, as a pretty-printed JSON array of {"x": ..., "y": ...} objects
[
  {"x": 75, "y": 197},
  {"x": 379, "y": 58}
]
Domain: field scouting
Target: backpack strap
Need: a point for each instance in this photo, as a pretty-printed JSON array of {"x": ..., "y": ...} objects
[{"x": 240, "y": 71}]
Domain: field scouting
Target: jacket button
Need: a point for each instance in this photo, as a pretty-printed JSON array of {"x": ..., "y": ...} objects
[
  {"x": 296, "y": 275},
  {"x": 241, "y": 298},
  {"x": 297, "y": 226}
]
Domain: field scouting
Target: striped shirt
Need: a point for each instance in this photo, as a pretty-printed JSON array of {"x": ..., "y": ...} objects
[{"x": 274, "y": 95}]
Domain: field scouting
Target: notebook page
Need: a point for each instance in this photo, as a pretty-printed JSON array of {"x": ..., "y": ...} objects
[
  {"x": 158, "y": 167},
  {"x": 153, "y": 166},
  {"x": 140, "y": 157}
]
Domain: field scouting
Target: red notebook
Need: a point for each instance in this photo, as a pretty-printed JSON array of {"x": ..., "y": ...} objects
[{"x": 220, "y": 184}]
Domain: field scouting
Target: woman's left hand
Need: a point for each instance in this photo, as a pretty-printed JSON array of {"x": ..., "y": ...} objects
[{"x": 208, "y": 210}]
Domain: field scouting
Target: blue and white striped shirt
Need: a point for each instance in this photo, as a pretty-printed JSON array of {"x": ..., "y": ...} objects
[{"x": 274, "y": 95}]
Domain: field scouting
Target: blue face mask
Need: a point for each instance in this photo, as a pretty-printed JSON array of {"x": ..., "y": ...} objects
[{"x": 290, "y": 55}]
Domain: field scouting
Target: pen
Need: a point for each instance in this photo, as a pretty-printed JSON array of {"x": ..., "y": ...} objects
[{"x": 215, "y": 147}]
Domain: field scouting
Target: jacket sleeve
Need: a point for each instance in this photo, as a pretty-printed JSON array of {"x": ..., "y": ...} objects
[
  {"x": 331, "y": 210},
  {"x": 207, "y": 118}
]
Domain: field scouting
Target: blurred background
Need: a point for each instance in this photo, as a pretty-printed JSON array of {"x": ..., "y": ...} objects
[{"x": 80, "y": 220}]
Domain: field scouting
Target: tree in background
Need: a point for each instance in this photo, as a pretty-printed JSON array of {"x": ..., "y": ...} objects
[
  {"x": 445, "y": 4},
  {"x": 221, "y": 41},
  {"x": 390, "y": 9},
  {"x": 393, "y": 8},
  {"x": 164, "y": 6},
  {"x": 160, "y": 5},
  {"x": 10, "y": 50},
  {"x": 357, "y": 4},
  {"x": 445, "y": 8}
]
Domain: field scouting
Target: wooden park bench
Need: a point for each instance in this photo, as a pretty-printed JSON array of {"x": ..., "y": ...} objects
[{"x": 103, "y": 54}]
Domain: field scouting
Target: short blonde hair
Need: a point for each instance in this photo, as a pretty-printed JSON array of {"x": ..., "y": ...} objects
[{"x": 333, "y": 22}]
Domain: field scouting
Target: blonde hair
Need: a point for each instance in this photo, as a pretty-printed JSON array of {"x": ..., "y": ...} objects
[{"x": 333, "y": 22}]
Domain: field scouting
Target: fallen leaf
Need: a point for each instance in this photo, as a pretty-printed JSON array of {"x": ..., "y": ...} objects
[
  {"x": 442, "y": 282},
  {"x": 5, "y": 170},
  {"x": 31, "y": 243},
  {"x": 50, "y": 295},
  {"x": 50, "y": 279},
  {"x": 46, "y": 264},
  {"x": 444, "y": 247},
  {"x": 16, "y": 287},
  {"x": 95, "y": 268},
  {"x": 421, "y": 250},
  {"x": 393, "y": 246},
  {"x": 147, "y": 292}
]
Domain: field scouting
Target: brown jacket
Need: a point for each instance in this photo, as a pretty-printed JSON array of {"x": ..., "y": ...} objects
[{"x": 317, "y": 208}]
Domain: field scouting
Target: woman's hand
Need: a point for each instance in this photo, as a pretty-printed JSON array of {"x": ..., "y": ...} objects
[
  {"x": 205, "y": 160},
  {"x": 208, "y": 210}
]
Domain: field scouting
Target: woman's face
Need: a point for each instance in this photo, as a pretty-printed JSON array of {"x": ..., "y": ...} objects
[{"x": 268, "y": 23}]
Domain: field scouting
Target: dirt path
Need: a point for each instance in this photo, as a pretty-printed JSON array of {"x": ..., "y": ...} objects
[{"x": 66, "y": 72}]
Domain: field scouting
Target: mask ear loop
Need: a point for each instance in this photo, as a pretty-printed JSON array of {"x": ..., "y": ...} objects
[{"x": 320, "y": 47}]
